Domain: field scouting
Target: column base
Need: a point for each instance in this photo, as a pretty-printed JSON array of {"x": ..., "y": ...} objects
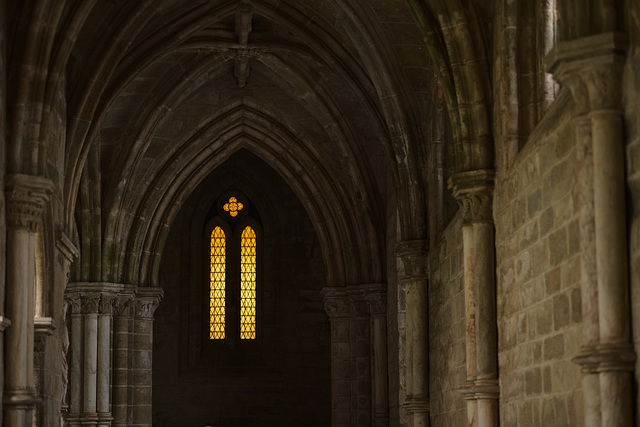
[
  {"x": 481, "y": 389},
  {"x": 482, "y": 401},
  {"x": 104, "y": 419},
  {"x": 606, "y": 357},
  {"x": 18, "y": 407}
]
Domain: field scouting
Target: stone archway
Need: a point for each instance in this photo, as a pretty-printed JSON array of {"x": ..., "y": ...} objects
[{"x": 283, "y": 376}]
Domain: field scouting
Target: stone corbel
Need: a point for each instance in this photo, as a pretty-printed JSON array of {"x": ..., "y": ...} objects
[
  {"x": 68, "y": 250},
  {"x": 66, "y": 246}
]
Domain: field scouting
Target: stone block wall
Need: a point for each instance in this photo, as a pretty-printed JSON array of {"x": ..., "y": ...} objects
[
  {"x": 447, "y": 329},
  {"x": 538, "y": 279}
]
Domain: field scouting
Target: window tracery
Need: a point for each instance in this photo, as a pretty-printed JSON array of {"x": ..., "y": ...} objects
[{"x": 233, "y": 274}]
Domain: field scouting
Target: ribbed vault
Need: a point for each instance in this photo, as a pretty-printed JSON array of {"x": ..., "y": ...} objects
[{"x": 180, "y": 86}]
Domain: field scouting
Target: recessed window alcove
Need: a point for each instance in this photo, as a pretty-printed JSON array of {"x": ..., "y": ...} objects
[{"x": 282, "y": 376}]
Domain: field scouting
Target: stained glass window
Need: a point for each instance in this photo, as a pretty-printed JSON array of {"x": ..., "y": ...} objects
[
  {"x": 217, "y": 282},
  {"x": 233, "y": 206},
  {"x": 248, "y": 284}
]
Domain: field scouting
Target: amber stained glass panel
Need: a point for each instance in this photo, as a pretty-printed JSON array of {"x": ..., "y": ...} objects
[
  {"x": 248, "y": 284},
  {"x": 217, "y": 281}
]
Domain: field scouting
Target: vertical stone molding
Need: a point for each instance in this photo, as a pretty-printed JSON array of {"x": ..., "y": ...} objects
[
  {"x": 146, "y": 303},
  {"x": 26, "y": 197},
  {"x": 69, "y": 252},
  {"x": 474, "y": 192},
  {"x": 359, "y": 377},
  {"x": 43, "y": 329},
  {"x": 103, "y": 383},
  {"x": 76, "y": 336},
  {"x": 592, "y": 68},
  {"x": 361, "y": 357},
  {"x": 336, "y": 303},
  {"x": 413, "y": 280},
  {"x": 376, "y": 297}
]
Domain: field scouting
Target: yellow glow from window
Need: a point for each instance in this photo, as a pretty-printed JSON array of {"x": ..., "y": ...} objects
[
  {"x": 248, "y": 284},
  {"x": 217, "y": 279}
]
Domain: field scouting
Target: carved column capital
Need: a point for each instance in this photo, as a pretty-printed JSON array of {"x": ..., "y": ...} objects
[
  {"x": 90, "y": 303},
  {"x": 473, "y": 190},
  {"x": 106, "y": 303},
  {"x": 413, "y": 254},
  {"x": 122, "y": 305},
  {"x": 373, "y": 294},
  {"x": 336, "y": 302},
  {"x": 360, "y": 307},
  {"x": 147, "y": 301},
  {"x": 26, "y": 196},
  {"x": 74, "y": 302},
  {"x": 378, "y": 303},
  {"x": 591, "y": 67}
]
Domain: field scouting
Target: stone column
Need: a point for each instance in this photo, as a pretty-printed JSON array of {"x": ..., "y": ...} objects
[
  {"x": 474, "y": 192},
  {"x": 76, "y": 356},
  {"x": 43, "y": 329},
  {"x": 90, "y": 349},
  {"x": 377, "y": 299},
  {"x": 89, "y": 416},
  {"x": 122, "y": 329},
  {"x": 146, "y": 303},
  {"x": 592, "y": 68},
  {"x": 336, "y": 302},
  {"x": 25, "y": 197},
  {"x": 413, "y": 280},
  {"x": 470, "y": 321},
  {"x": 103, "y": 377},
  {"x": 361, "y": 410}
]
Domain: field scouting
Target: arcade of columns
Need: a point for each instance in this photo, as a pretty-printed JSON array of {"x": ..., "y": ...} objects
[{"x": 110, "y": 325}]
